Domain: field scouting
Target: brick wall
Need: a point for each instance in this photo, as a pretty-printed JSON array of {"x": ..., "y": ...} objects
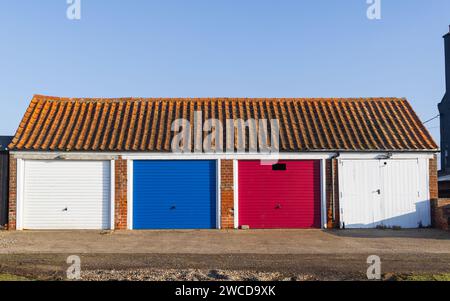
[
  {"x": 227, "y": 194},
  {"x": 120, "y": 193},
  {"x": 12, "y": 193},
  {"x": 440, "y": 213},
  {"x": 434, "y": 191},
  {"x": 440, "y": 208},
  {"x": 332, "y": 166}
]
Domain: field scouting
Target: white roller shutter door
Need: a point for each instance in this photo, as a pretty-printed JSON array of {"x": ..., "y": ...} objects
[{"x": 66, "y": 194}]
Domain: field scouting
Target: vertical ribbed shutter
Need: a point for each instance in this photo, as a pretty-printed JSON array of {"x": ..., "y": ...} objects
[{"x": 385, "y": 193}]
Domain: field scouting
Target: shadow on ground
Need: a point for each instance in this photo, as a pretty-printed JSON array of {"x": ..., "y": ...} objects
[{"x": 390, "y": 233}]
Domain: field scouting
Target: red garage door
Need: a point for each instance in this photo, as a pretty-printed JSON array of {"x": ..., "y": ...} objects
[{"x": 284, "y": 195}]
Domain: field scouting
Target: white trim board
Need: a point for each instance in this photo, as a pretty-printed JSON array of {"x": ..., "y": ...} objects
[
  {"x": 218, "y": 196},
  {"x": 202, "y": 156},
  {"x": 323, "y": 194},
  {"x": 130, "y": 194},
  {"x": 112, "y": 194},
  {"x": 381, "y": 156},
  {"x": 20, "y": 173},
  {"x": 36, "y": 155},
  {"x": 236, "y": 194}
]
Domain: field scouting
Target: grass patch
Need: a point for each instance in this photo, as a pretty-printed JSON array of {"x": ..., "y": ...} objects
[
  {"x": 427, "y": 277},
  {"x": 9, "y": 277}
]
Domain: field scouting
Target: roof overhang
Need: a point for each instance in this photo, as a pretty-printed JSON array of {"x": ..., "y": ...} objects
[
  {"x": 317, "y": 155},
  {"x": 444, "y": 178}
]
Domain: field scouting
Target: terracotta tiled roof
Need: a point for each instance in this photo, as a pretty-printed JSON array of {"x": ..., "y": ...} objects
[{"x": 138, "y": 124}]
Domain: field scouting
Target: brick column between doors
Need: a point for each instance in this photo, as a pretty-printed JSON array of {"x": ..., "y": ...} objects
[
  {"x": 12, "y": 193},
  {"x": 227, "y": 194},
  {"x": 440, "y": 213},
  {"x": 434, "y": 193},
  {"x": 120, "y": 193},
  {"x": 332, "y": 164},
  {"x": 434, "y": 190}
]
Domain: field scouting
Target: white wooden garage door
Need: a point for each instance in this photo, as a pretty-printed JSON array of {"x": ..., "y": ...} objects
[
  {"x": 66, "y": 195},
  {"x": 384, "y": 193}
]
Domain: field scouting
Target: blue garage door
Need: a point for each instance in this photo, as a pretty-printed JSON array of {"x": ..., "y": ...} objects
[{"x": 174, "y": 194}]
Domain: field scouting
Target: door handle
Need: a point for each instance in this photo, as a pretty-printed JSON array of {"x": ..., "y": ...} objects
[
  {"x": 173, "y": 207},
  {"x": 379, "y": 191},
  {"x": 65, "y": 209},
  {"x": 278, "y": 206}
]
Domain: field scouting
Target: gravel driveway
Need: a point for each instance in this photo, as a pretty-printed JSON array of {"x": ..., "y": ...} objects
[
  {"x": 224, "y": 255},
  {"x": 227, "y": 242}
]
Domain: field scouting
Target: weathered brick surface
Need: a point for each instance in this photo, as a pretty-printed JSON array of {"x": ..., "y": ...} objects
[
  {"x": 227, "y": 194},
  {"x": 434, "y": 190},
  {"x": 120, "y": 194},
  {"x": 12, "y": 193},
  {"x": 437, "y": 205},
  {"x": 440, "y": 213},
  {"x": 332, "y": 167}
]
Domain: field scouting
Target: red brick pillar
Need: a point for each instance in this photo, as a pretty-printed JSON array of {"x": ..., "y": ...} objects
[
  {"x": 12, "y": 193},
  {"x": 434, "y": 190},
  {"x": 120, "y": 193},
  {"x": 332, "y": 172},
  {"x": 440, "y": 213},
  {"x": 227, "y": 194},
  {"x": 436, "y": 221}
]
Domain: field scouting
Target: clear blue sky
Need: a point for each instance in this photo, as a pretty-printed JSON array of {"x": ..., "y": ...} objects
[{"x": 251, "y": 48}]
